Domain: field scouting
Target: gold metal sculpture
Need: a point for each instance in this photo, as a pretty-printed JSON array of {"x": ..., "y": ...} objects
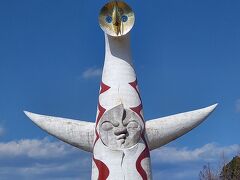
[{"x": 116, "y": 18}]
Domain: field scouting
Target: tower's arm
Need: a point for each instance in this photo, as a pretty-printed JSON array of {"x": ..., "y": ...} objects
[
  {"x": 77, "y": 133},
  {"x": 164, "y": 130}
]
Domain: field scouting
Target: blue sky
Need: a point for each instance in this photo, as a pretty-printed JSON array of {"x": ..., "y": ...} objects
[{"x": 186, "y": 55}]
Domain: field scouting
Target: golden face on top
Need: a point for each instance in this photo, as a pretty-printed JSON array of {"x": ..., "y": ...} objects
[{"x": 116, "y": 18}]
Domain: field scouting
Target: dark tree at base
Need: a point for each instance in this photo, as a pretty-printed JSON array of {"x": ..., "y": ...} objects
[{"x": 231, "y": 170}]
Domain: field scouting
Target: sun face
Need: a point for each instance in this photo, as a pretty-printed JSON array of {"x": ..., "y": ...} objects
[
  {"x": 120, "y": 128},
  {"x": 116, "y": 18}
]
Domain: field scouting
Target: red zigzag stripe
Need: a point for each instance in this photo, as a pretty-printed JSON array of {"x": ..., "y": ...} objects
[
  {"x": 143, "y": 155},
  {"x": 139, "y": 108},
  {"x": 102, "y": 168},
  {"x": 101, "y": 109},
  {"x": 134, "y": 84}
]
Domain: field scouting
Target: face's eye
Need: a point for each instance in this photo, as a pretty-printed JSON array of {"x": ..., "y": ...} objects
[
  {"x": 124, "y": 18},
  {"x": 116, "y": 18},
  {"x": 107, "y": 126},
  {"x": 108, "y": 19},
  {"x": 132, "y": 124}
]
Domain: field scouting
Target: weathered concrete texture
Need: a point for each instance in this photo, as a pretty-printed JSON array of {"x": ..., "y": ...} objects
[
  {"x": 164, "y": 130},
  {"x": 120, "y": 128},
  {"x": 77, "y": 133}
]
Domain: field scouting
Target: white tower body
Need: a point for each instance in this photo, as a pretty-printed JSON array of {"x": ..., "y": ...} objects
[{"x": 119, "y": 92}]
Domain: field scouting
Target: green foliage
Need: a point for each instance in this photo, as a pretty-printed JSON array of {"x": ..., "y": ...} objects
[{"x": 231, "y": 170}]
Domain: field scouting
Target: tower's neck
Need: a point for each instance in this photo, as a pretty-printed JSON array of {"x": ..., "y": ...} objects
[
  {"x": 118, "y": 73},
  {"x": 118, "y": 48}
]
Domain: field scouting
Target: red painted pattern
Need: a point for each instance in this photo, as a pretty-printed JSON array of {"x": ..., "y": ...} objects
[
  {"x": 97, "y": 137},
  {"x": 104, "y": 88},
  {"x": 101, "y": 111},
  {"x": 134, "y": 84},
  {"x": 145, "y": 154},
  {"x": 102, "y": 169},
  {"x": 138, "y": 110}
]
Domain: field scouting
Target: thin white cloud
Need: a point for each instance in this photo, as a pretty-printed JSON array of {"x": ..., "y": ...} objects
[
  {"x": 209, "y": 153},
  {"x": 185, "y": 164},
  {"x": 237, "y": 105},
  {"x": 34, "y": 148},
  {"x": 43, "y": 159},
  {"x": 47, "y": 159},
  {"x": 91, "y": 73}
]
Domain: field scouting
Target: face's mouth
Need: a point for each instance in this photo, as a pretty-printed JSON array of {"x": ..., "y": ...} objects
[
  {"x": 121, "y": 139},
  {"x": 121, "y": 135}
]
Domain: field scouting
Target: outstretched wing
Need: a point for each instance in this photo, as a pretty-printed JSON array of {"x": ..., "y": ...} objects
[
  {"x": 164, "y": 130},
  {"x": 77, "y": 133}
]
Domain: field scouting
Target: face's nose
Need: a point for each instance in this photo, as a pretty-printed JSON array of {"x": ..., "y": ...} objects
[
  {"x": 120, "y": 130},
  {"x": 116, "y": 19}
]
